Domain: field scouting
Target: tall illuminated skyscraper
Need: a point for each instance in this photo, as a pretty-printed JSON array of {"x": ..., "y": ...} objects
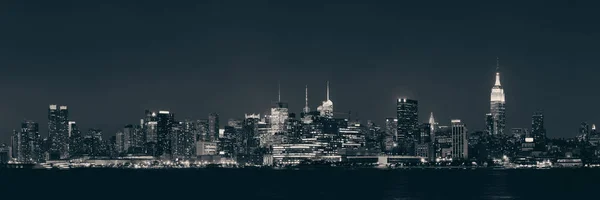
[
  {"x": 537, "y": 130},
  {"x": 58, "y": 131},
  {"x": 279, "y": 115},
  {"x": 408, "y": 118},
  {"x": 391, "y": 133},
  {"x": 165, "y": 121},
  {"x": 497, "y": 106},
  {"x": 213, "y": 126}
]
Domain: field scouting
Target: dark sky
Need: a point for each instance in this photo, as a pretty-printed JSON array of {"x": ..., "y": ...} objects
[{"x": 109, "y": 60}]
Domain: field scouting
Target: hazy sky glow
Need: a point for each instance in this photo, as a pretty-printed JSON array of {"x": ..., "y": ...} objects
[{"x": 110, "y": 60}]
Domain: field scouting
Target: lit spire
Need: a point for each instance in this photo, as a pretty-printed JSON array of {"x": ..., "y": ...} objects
[
  {"x": 306, "y": 108},
  {"x": 497, "y": 72},
  {"x": 431, "y": 119},
  {"x": 432, "y": 122},
  {"x": 327, "y": 90},
  {"x": 306, "y": 96},
  {"x": 278, "y": 91}
]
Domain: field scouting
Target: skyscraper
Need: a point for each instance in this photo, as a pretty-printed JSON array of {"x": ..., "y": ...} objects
[
  {"x": 326, "y": 108},
  {"x": 460, "y": 143},
  {"x": 279, "y": 115},
  {"x": 120, "y": 142},
  {"x": 149, "y": 127},
  {"x": 213, "y": 126},
  {"x": 28, "y": 143},
  {"x": 182, "y": 143},
  {"x": 408, "y": 118},
  {"x": 165, "y": 121},
  {"x": 538, "y": 132},
  {"x": 58, "y": 131},
  {"x": 497, "y": 105}
]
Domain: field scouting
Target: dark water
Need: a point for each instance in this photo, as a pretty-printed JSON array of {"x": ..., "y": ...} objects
[{"x": 302, "y": 184}]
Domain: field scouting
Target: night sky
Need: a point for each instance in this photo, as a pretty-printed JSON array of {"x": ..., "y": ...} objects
[{"x": 109, "y": 60}]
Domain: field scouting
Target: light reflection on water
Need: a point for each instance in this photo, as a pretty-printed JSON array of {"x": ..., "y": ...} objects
[{"x": 451, "y": 184}]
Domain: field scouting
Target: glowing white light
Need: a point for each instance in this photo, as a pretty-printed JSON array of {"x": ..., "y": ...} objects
[
  {"x": 163, "y": 112},
  {"x": 528, "y": 139}
]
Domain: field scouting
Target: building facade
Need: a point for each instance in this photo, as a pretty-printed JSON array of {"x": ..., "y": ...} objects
[
  {"x": 58, "y": 132},
  {"x": 460, "y": 143}
]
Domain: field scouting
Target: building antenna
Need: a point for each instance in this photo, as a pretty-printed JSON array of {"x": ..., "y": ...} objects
[
  {"x": 497, "y": 63},
  {"x": 306, "y": 96},
  {"x": 279, "y": 91},
  {"x": 327, "y": 90}
]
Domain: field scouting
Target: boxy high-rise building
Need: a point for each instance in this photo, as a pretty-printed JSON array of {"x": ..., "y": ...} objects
[
  {"x": 58, "y": 131},
  {"x": 408, "y": 118},
  {"x": 460, "y": 143}
]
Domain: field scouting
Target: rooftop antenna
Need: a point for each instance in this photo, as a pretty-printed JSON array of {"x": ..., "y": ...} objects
[
  {"x": 279, "y": 91},
  {"x": 327, "y": 90},
  {"x": 306, "y": 96},
  {"x": 497, "y": 63}
]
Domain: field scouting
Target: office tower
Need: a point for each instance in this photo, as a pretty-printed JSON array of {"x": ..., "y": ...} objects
[
  {"x": 92, "y": 143},
  {"x": 538, "y": 131},
  {"x": 120, "y": 142},
  {"x": 28, "y": 143},
  {"x": 213, "y": 127},
  {"x": 201, "y": 130},
  {"x": 137, "y": 139},
  {"x": 75, "y": 140},
  {"x": 497, "y": 106},
  {"x": 128, "y": 136},
  {"x": 150, "y": 127},
  {"x": 133, "y": 138},
  {"x": 165, "y": 121},
  {"x": 326, "y": 108},
  {"x": 177, "y": 140},
  {"x": 391, "y": 133},
  {"x": 408, "y": 118},
  {"x": 58, "y": 131},
  {"x": 188, "y": 139},
  {"x": 278, "y": 117},
  {"x": 460, "y": 143}
]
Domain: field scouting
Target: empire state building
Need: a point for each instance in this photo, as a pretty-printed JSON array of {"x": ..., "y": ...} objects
[{"x": 497, "y": 121}]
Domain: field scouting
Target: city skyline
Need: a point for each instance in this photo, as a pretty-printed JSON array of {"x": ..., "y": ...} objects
[
  {"x": 280, "y": 102},
  {"x": 194, "y": 59}
]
